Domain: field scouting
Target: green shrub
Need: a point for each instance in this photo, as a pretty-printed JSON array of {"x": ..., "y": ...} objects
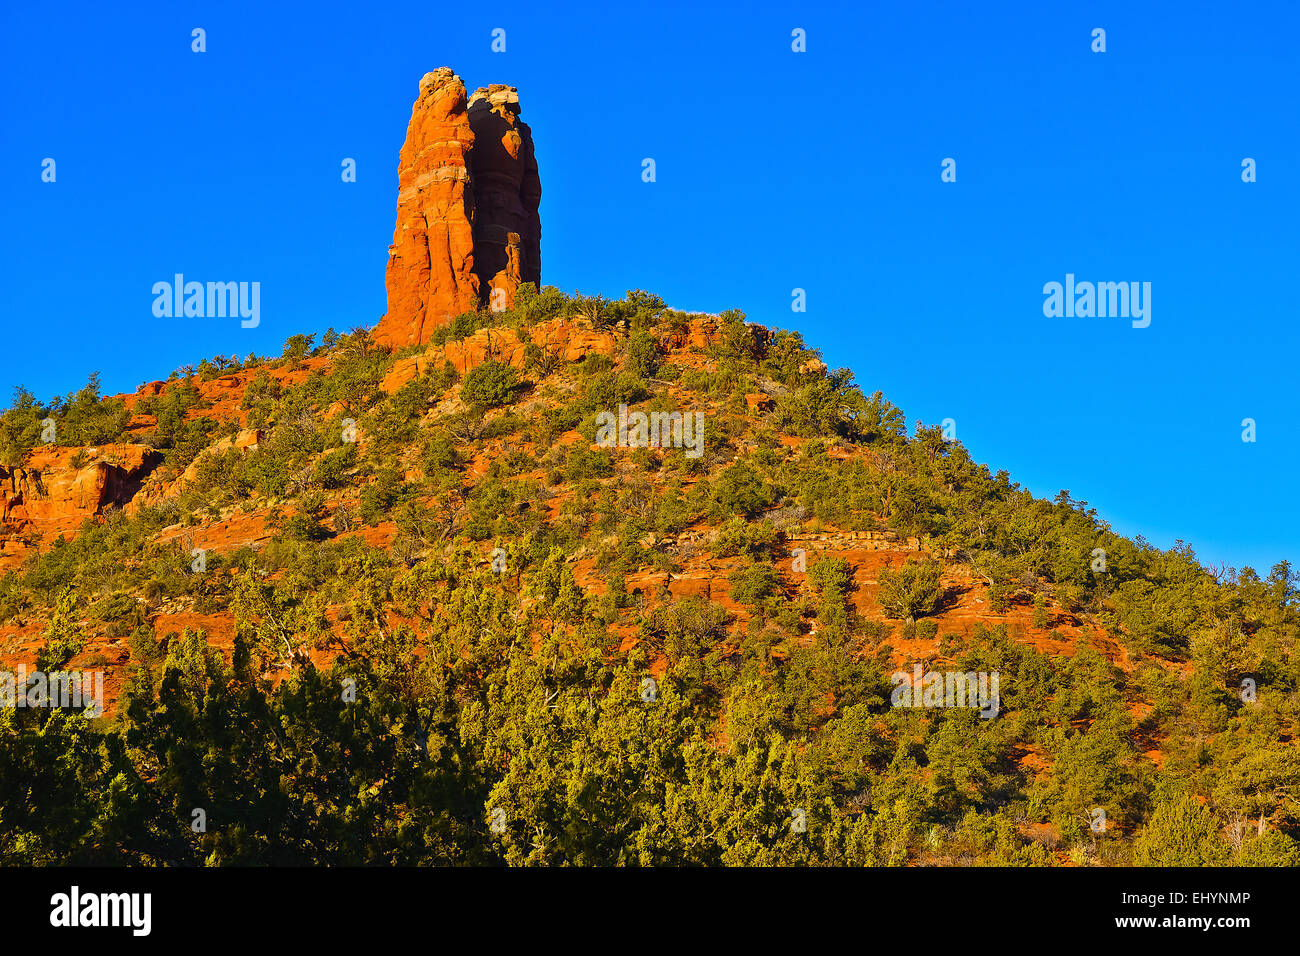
[
  {"x": 490, "y": 384},
  {"x": 686, "y": 629},
  {"x": 754, "y": 584},
  {"x": 440, "y": 453},
  {"x": 330, "y": 470},
  {"x": 1040, "y": 611},
  {"x": 1180, "y": 832},
  {"x": 381, "y": 496},
  {"x": 643, "y": 354},
  {"x": 741, "y": 490},
  {"x": 64, "y": 639},
  {"x": 750, "y": 539},
  {"x": 911, "y": 591}
]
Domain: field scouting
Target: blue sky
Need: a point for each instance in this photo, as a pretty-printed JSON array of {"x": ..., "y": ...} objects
[{"x": 775, "y": 170}]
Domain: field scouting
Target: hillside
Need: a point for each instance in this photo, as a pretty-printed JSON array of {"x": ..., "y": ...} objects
[
  {"x": 515, "y": 678},
  {"x": 525, "y": 577}
]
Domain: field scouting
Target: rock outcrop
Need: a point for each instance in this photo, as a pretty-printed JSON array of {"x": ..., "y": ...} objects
[
  {"x": 507, "y": 192},
  {"x": 467, "y": 209},
  {"x": 56, "y": 489},
  {"x": 431, "y": 261}
]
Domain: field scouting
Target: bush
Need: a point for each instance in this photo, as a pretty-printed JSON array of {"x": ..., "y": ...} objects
[
  {"x": 296, "y": 348},
  {"x": 490, "y": 384},
  {"x": 1181, "y": 832},
  {"x": 1040, "y": 611},
  {"x": 753, "y": 540},
  {"x": 64, "y": 639},
  {"x": 381, "y": 497},
  {"x": 741, "y": 490},
  {"x": 605, "y": 391},
  {"x": 643, "y": 355},
  {"x": 922, "y": 630},
  {"x": 812, "y": 410},
  {"x": 306, "y": 524},
  {"x": 686, "y": 629},
  {"x": 754, "y": 584},
  {"x": 331, "y": 469},
  {"x": 440, "y": 453},
  {"x": 912, "y": 591},
  {"x": 999, "y": 597}
]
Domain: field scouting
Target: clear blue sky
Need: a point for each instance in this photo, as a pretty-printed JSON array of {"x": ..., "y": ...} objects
[{"x": 776, "y": 170}]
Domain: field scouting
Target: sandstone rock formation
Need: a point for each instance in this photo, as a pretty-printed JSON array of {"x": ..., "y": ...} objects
[
  {"x": 507, "y": 192},
  {"x": 467, "y": 209},
  {"x": 431, "y": 261},
  {"x": 56, "y": 489}
]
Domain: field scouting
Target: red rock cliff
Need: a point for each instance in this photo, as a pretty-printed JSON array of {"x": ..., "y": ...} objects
[
  {"x": 467, "y": 209},
  {"x": 507, "y": 192}
]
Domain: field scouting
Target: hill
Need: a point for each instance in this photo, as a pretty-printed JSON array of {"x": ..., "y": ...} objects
[
  {"x": 499, "y": 588},
  {"x": 537, "y": 578}
]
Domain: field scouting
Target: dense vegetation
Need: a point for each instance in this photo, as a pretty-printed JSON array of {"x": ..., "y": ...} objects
[{"x": 478, "y": 708}]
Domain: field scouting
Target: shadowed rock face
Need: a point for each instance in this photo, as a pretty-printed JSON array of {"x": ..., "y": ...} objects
[
  {"x": 467, "y": 209},
  {"x": 507, "y": 192}
]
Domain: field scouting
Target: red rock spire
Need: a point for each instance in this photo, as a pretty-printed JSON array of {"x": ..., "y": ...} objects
[{"x": 467, "y": 209}]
